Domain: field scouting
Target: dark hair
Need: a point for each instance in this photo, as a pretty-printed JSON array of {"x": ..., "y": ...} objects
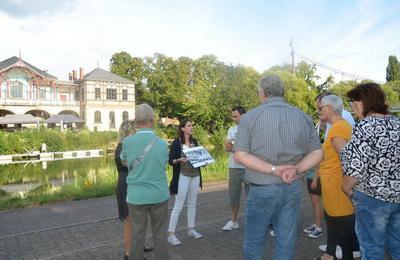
[
  {"x": 180, "y": 133},
  {"x": 322, "y": 94},
  {"x": 240, "y": 109},
  {"x": 372, "y": 97}
]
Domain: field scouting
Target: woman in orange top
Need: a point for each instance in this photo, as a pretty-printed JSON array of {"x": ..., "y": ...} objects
[{"x": 339, "y": 211}]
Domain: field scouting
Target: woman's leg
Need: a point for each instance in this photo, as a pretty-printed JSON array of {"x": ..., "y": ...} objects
[
  {"x": 345, "y": 228},
  {"x": 192, "y": 200},
  {"x": 331, "y": 236},
  {"x": 180, "y": 198},
  {"x": 127, "y": 235},
  {"x": 317, "y": 209}
]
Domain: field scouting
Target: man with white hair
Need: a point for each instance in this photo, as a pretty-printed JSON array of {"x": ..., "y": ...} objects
[
  {"x": 146, "y": 156},
  {"x": 276, "y": 142}
]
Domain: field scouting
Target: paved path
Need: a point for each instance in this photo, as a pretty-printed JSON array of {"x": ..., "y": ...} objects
[{"x": 89, "y": 229}]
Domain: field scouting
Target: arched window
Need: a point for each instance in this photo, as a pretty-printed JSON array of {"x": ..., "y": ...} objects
[
  {"x": 112, "y": 120},
  {"x": 16, "y": 89},
  {"x": 125, "y": 116},
  {"x": 97, "y": 117}
]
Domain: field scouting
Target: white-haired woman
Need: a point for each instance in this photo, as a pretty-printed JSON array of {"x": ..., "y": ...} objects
[{"x": 339, "y": 211}]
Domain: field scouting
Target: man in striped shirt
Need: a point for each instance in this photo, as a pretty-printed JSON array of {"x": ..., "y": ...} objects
[{"x": 276, "y": 142}]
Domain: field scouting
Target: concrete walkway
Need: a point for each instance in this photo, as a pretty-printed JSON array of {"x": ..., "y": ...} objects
[{"x": 90, "y": 229}]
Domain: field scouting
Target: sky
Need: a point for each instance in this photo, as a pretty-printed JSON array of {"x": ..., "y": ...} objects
[{"x": 56, "y": 35}]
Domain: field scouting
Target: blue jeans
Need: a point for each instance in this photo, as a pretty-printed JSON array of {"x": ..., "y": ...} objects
[
  {"x": 277, "y": 203},
  {"x": 377, "y": 227}
]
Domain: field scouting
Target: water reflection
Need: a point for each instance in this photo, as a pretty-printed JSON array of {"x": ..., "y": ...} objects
[{"x": 16, "y": 178}]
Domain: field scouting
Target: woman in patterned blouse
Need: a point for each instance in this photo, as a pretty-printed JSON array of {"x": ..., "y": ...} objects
[{"x": 371, "y": 164}]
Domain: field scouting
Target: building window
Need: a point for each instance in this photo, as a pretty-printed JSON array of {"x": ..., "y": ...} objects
[
  {"x": 97, "y": 117},
  {"x": 97, "y": 93},
  {"x": 111, "y": 94},
  {"x": 16, "y": 88},
  {"x": 125, "y": 116},
  {"x": 42, "y": 93},
  {"x": 124, "y": 94},
  {"x": 112, "y": 120}
]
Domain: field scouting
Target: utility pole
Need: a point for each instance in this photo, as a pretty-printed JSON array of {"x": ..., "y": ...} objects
[{"x": 292, "y": 53}]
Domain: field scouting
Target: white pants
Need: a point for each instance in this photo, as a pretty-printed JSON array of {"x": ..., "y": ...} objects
[{"x": 187, "y": 186}]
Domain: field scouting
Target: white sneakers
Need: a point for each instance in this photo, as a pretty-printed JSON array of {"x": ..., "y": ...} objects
[
  {"x": 194, "y": 233},
  {"x": 356, "y": 254},
  {"x": 173, "y": 240},
  {"x": 230, "y": 225}
]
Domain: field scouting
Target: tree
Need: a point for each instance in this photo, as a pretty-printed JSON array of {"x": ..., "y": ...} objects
[
  {"x": 393, "y": 69},
  {"x": 308, "y": 73},
  {"x": 121, "y": 64}
]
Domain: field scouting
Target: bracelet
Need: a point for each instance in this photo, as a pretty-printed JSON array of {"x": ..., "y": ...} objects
[{"x": 297, "y": 171}]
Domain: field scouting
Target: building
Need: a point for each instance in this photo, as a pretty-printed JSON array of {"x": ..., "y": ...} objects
[{"x": 102, "y": 99}]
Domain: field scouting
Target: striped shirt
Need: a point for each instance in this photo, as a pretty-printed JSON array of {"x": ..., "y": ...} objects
[{"x": 277, "y": 133}]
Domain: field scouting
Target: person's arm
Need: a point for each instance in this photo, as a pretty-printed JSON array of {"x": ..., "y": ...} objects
[
  {"x": 122, "y": 155},
  {"x": 256, "y": 164},
  {"x": 228, "y": 145},
  {"x": 350, "y": 156},
  {"x": 314, "y": 182},
  {"x": 348, "y": 184},
  {"x": 338, "y": 143},
  {"x": 175, "y": 153}
]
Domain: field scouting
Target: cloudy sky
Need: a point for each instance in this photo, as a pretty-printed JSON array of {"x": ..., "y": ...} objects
[{"x": 352, "y": 36}]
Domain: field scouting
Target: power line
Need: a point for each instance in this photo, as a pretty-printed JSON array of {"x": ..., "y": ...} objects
[{"x": 343, "y": 73}]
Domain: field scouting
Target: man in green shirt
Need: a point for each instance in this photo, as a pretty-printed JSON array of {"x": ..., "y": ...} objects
[{"x": 146, "y": 156}]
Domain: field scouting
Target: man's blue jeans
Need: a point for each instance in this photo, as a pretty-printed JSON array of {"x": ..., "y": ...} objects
[
  {"x": 279, "y": 203},
  {"x": 377, "y": 227}
]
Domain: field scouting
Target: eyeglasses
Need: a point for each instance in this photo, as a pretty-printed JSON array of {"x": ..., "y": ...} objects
[
  {"x": 321, "y": 107},
  {"x": 351, "y": 101}
]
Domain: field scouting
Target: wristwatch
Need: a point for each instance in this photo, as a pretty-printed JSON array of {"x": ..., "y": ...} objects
[{"x": 273, "y": 168}]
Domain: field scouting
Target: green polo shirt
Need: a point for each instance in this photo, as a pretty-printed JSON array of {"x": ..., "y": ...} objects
[{"x": 147, "y": 183}]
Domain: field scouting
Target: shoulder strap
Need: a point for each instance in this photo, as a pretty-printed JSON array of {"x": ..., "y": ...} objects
[{"x": 135, "y": 163}]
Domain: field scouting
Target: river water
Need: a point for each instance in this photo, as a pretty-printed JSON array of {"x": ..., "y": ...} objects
[{"x": 15, "y": 178}]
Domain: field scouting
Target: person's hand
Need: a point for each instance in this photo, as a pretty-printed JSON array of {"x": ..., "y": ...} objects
[
  {"x": 288, "y": 173},
  {"x": 182, "y": 159},
  {"x": 314, "y": 184},
  {"x": 348, "y": 184}
]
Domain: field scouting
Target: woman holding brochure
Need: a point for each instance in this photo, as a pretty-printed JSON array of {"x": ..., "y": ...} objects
[{"x": 185, "y": 181}]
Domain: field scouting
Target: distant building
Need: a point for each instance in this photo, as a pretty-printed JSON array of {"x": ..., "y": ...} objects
[{"x": 102, "y": 99}]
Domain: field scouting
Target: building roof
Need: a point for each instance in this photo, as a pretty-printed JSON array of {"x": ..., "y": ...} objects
[
  {"x": 99, "y": 74},
  {"x": 13, "y": 60},
  {"x": 66, "y": 118},
  {"x": 19, "y": 119}
]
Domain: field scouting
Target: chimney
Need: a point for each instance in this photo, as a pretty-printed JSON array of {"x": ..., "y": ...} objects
[
  {"x": 81, "y": 73},
  {"x": 74, "y": 75},
  {"x": 70, "y": 76}
]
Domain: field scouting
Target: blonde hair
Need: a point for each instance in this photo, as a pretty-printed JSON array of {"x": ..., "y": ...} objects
[{"x": 127, "y": 128}]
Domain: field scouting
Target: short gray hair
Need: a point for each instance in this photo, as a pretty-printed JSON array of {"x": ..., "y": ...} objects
[
  {"x": 126, "y": 128},
  {"x": 334, "y": 101},
  {"x": 144, "y": 113},
  {"x": 272, "y": 86}
]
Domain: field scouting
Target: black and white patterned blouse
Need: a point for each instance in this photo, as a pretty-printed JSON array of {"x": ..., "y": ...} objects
[{"x": 372, "y": 156}]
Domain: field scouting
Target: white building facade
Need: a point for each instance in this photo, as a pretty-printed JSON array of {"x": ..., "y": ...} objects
[{"x": 101, "y": 98}]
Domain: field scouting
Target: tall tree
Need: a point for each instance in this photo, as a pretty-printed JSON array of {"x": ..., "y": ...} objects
[
  {"x": 308, "y": 73},
  {"x": 393, "y": 69}
]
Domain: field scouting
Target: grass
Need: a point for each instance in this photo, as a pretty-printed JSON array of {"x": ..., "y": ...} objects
[{"x": 101, "y": 184}]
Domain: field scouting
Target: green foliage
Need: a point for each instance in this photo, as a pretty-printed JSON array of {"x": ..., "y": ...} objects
[
  {"x": 201, "y": 135},
  {"x": 217, "y": 140},
  {"x": 30, "y": 140},
  {"x": 393, "y": 69}
]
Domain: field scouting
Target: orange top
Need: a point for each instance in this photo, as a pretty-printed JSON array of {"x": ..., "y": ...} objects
[{"x": 336, "y": 203}]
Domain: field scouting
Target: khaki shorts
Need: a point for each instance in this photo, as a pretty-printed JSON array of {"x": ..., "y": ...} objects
[{"x": 237, "y": 178}]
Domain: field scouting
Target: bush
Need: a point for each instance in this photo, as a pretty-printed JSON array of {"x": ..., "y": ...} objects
[{"x": 201, "y": 135}]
